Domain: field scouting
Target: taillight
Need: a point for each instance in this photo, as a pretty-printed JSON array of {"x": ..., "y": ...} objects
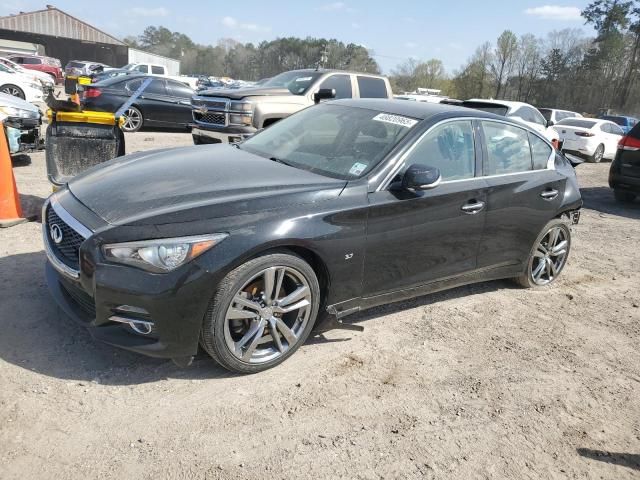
[
  {"x": 585, "y": 134},
  {"x": 629, "y": 143},
  {"x": 92, "y": 93}
]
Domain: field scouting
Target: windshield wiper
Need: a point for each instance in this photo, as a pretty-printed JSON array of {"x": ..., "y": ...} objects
[{"x": 279, "y": 160}]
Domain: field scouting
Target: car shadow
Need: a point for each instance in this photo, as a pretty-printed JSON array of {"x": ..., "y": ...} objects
[
  {"x": 601, "y": 199},
  {"x": 32, "y": 207},
  {"x": 630, "y": 460},
  {"x": 20, "y": 160},
  {"x": 38, "y": 336}
]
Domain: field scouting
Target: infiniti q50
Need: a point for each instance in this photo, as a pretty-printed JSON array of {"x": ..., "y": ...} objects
[{"x": 346, "y": 205}]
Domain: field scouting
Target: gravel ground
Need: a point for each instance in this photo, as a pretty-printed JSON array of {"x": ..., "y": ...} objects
[{"x": 484, "y": 381}]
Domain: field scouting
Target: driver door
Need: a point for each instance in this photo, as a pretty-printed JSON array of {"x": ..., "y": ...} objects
[{"x": 414, "y": 238}]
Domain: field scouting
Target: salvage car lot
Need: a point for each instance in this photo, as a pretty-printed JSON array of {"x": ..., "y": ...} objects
[{"x": 482, "y": 381}]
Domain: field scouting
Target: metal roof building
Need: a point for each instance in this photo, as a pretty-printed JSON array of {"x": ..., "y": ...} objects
[{"x": 63, "y": 36}]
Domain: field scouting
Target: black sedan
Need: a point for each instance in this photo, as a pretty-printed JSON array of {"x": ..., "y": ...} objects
[
  {"x": 164, "y": 103},
  {"x": 341, "y": 207},
  {"x": 624, "y": 174}
]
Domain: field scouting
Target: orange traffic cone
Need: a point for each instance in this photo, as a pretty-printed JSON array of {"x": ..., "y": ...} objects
[{"x": 10, "y": 210}]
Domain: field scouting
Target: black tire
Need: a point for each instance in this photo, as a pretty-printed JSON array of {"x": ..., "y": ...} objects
[
  {"x": 623, "y": 196},
  {"x": 598, "y": 155},
  {"x": 131, "y": 126},
  {"x": 13, "y": 90},
  {"x": 212, "y": 335},
  {"x": 526, "y": 279},
  {"x": 196, "y": 139}
]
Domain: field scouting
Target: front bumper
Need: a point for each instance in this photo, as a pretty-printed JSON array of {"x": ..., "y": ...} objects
[{"x": 228, "y": 135}]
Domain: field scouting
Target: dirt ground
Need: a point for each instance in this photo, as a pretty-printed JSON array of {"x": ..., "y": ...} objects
[{"x": 485, "y": 381}]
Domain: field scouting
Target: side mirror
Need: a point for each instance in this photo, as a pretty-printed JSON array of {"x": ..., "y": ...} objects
[
  {"x": 324, "y": 94},
  {"x": 421, "y": 177}
]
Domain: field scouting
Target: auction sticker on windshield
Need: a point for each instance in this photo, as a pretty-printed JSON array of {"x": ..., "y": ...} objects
[{"x": 395, "y": 119}]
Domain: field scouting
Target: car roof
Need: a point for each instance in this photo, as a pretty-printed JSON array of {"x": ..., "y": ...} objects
[
  {"x": 505, "y": 103},
  {"x": 331, "y": 70},
  {"x": 419, "y": 110}
]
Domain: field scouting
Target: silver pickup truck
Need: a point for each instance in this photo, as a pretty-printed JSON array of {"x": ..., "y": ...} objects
[{"x": 228, "y": 115}]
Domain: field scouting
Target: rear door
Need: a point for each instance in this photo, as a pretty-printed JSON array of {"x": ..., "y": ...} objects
[
  {"x": 524, "y": 192},
  {"x": 156, "y": 102},
  {"x": 414, "y": 238},
  {"x": 371, "y": 87},
  {"x": 180, "y": 96}
]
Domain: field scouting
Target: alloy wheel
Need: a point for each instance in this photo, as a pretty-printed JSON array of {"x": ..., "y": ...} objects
[
  {"x": 268, "y": 315},
  {"x": 550, "y": 256},
  {"x": 599, "y": 153},
  {"x": 132, "y": 120},
  {"x": 14, "y": 91}
]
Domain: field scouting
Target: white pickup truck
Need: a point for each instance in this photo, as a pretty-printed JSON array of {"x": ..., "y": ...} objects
[{"x": 160, "y": 71}]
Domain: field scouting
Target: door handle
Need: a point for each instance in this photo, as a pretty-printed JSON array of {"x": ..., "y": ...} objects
[
  {"x": 549, "y": 194},
  {"x": 472, "y": 208}
]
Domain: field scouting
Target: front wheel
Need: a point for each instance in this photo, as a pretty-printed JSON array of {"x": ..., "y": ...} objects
[
  {"x": 261, "y": 313},
  {"x": 548, "y": 255},
  {"x": 13, "y": 90},
  {"x": 132, "y": 120}
]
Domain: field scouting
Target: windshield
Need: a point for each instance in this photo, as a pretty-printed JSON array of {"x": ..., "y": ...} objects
[
  {"x": 546, "y": 113},
  {"x": 574, "y": 122},
  {"x": 487, "y": 107},
  {"x": 296, "y": 82},
  {"x": 129, "y": 66},
  {"x": 332, "y": 140}
]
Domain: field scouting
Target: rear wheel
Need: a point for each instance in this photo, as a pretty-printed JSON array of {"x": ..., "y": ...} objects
[
  {"x": 14, "y": 90},
  {"x": 597, "y": 155},
  {"x": 132, "y": 120},
  {"x": 624, "y": 197},
  {"x": 261, "y": 313},
  {"x": 548, "y": 255}
]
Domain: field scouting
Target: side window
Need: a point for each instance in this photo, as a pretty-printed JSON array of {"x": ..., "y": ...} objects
[
  {"x": 341, "y": 84},
  {"x": 507, "y": 149},
  {"x": 32, "y": 61},
  {"x": 372, "y": 87},
  {"x": 540, "y": 151},
  {"x": 142, "y": 68},
  {"x": 156, "y": 87},
  {"x": 531, "y": 115},
  {"x": 157, "y": 70},
  {"x": 178, "y": 89},
  {"x": 448, "y": 147},
  {"x": 616, "y": 130},
  {"x": 18, "y": 59}
]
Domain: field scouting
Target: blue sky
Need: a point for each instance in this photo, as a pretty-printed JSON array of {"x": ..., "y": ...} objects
[{"x": 394, "y": 30}]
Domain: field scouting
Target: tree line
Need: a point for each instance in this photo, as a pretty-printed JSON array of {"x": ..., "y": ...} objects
[
  {"x": 566, "y": 69},
  {"x": 253, "y": 62}
]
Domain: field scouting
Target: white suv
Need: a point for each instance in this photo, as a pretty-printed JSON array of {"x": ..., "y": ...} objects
[{"x": 518, "y": 111}]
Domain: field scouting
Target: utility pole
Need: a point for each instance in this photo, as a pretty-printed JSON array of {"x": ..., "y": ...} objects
[{"x": 324, "y": 57}]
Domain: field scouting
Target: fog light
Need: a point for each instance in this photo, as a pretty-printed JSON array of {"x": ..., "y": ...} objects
[{"x": 137, "y": 318}]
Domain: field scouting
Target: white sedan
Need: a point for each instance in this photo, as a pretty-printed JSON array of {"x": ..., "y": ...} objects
[{"x": 589, "y": 137}]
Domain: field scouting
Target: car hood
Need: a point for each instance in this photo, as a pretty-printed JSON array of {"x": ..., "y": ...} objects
[
  {"x": 15, "y": 102},
  {"x": 238, "y": 93},
  {"x": 193, "y": 183}
]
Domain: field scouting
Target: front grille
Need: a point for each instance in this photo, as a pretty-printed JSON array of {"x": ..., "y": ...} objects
[
  {"x": 81, "y": 299},
  {"x": 67, "y": 250},
  {"x": 212, "y": 118}
]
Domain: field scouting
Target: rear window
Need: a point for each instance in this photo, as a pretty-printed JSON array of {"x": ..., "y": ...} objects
[
  {"x": 619, "y": 120},
  {"x": 487, "y": 107},
  {"x": 75, "y": 64},
  {"x": 576, "y": 122},
  {"x": 372, "y": 87}
]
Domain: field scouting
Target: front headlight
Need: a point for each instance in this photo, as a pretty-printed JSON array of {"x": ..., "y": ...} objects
[
  {"x": 162, "y": 255},
  {"x": 237, "y": 119},
  {"x": 37, "y": 86},
  {"x": 241, "y": 107},
  {"x": 17, "y": 112}
]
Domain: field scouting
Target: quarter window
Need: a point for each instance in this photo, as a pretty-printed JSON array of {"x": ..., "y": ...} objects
[
  {"x": 372, "y": 87},
  {"x": 507, "y": 149},
  {"x": 448, "y": 147},
  {"x": 340, "y": 83},
  {"x": 540, "y": 151}
]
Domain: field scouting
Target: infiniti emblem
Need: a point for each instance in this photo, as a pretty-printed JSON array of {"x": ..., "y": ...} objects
[{"x": 56, "y": 233}]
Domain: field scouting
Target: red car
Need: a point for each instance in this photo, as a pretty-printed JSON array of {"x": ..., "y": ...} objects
[{"x": 49, "y": 65}]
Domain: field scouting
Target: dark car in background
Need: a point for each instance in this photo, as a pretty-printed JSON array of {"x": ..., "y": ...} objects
[
  {"x": 83, "y": 67},
  {"x": 48, "y": 65},
  {"x": 338, "y": 208},
  {"x": 624, "y": 122},
  {"x": 624, "y": 174},
  {"x": 164, "y": 103}
]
